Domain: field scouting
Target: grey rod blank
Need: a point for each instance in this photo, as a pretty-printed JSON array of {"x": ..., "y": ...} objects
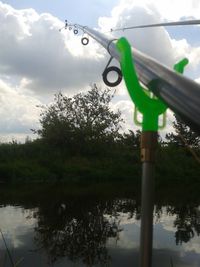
[
  {"x": 175, "y": 23},
  {"x": 181, "y": 94}
]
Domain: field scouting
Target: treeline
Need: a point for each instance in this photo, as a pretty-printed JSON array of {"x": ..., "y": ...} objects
[
  {"x": 39, "y": 161},
  {"x": 80, "y": 140}
]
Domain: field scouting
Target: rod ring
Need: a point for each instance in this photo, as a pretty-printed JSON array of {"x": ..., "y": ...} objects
[
  {"x": 84, "y": 41},
  {"x": 106, "y": 72},
  {"x": 75, "y": 31}
]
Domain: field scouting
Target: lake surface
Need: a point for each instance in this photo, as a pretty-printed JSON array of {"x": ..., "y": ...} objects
[{"x": 94, "y": 231}]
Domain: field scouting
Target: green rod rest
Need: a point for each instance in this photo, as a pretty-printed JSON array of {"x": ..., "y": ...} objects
[
  {"x": 180, "y": 66},
  {"x": 150, "y": 108}
]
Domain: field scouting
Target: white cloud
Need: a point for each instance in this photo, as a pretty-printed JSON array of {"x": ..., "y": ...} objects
[
  {"x": 198, "y": 80},
  {"x": 18, "y": 112},
  {"x": 31, "y": 46},
  {"x": 184, "y": 49},
  {"x": 171, "y": 9},
  {"x": 127, "y": 108}
]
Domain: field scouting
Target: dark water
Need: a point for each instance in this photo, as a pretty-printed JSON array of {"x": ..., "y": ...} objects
[{"x": 95, "y": 231}]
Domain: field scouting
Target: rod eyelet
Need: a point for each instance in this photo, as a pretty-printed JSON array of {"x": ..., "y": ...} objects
[
  {"x": 84, "y": 41},
  {"x": 75, "y": 31},
  {"x": 106, "y": 72}
]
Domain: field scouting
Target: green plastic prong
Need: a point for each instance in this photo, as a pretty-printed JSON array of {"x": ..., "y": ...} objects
[
  {"x": 180, "y": 66},
  {"x": 164, "y": 121},
  {"x": 139, "y": 123}
]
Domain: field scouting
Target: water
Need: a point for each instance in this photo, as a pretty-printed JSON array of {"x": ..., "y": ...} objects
[{"x": 95, "y": 231}]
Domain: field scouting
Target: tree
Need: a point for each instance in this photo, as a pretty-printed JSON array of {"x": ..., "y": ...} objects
[
  {"x": 183, "y": 136},
  {"x": 131, "y": 140},
  {"x": 80, "y": 124}
]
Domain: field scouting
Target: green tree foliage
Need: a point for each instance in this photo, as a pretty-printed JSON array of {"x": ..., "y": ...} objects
[
  {"x": 131, "y": 139},
  {"x": 80, "y": 141},
  {"x": 82, "y": 124},
  {"x": 183, "y": 135},
  {"x": 179, "y": 157}
]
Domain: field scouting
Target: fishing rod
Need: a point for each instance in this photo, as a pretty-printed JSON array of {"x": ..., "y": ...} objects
[
  {"x": 181, "y": 94},
  {"x": 173, "y": 90},
  {"x": 174, "y": 23}
]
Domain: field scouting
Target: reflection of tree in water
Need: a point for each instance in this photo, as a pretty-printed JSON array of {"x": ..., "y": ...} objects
[
  {"x": 80, "y": 229},
  {"x": 187, "y": 222}
]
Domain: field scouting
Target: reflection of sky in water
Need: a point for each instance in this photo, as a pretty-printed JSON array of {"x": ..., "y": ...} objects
[
  {"x": 17, "y": 225},
  {"x": 124, "y": 251}
]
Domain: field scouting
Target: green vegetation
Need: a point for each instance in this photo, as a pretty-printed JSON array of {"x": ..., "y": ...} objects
[{"x": 80, "y": 142}]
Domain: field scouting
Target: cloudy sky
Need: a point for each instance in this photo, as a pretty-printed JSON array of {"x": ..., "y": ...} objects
[{"x": 37, "y": 61}]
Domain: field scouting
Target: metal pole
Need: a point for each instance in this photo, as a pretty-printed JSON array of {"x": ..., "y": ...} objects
[
  {"x": 148, "y": 148},
  {"x": 180, "y": 93}
]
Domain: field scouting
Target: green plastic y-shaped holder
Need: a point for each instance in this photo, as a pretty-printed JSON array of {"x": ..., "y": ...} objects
[{"x": 151, "y": 108}]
